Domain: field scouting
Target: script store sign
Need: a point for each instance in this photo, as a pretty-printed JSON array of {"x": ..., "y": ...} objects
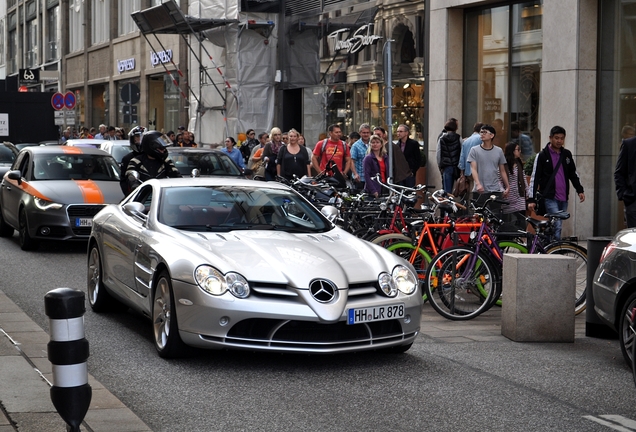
[{"x": 359, "y": 39}]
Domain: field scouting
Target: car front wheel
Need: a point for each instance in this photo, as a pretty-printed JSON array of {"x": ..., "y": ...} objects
[
  {"x": 625, "y": 334},
  {"x": 26, "y": 241},
  {"x": 164, "y": 320},
  {"x": 98, "y": 298}
]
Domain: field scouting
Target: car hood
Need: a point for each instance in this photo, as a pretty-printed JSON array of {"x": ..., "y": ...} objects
[
  {"x": 297, "y": 259},
  {"x": 78, "y": 191}
]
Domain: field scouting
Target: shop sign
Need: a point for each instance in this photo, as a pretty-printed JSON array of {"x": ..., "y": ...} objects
[
  {"x": 492, "y": 105},
  {"x": 4, "y": 124},
  {"x": 125, "y": 65},
  {"x": 360, "y": 39},
  {"x": 29, "y": 76},
  {"x": 160, "y": 57}
]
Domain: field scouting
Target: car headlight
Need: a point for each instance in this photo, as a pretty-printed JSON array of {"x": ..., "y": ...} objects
[
  {"x": 387, "y": 285},
  {"x": 404, "y": 279},
  {"x": 46, "y": 205},
  {"x": 214, "y": 282}
]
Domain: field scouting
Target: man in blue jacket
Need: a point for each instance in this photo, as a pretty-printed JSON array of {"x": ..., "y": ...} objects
[{"x": 554, "y": 186}]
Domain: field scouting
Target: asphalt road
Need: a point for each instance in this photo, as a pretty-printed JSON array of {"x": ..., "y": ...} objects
[{"x": 437, "y": 386}]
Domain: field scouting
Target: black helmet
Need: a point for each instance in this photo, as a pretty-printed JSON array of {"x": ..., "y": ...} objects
[
  {"x": 154, "y": 143},
  {"x": 137, "y": 131}
]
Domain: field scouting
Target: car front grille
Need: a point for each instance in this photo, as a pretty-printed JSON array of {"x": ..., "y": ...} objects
[
  {"x": 281, "y": 290},
  {"x": 303, "y": 335},
  {"x": 82, "y": 210}
]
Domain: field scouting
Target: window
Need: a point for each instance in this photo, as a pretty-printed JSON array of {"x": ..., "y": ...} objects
[
  {"x": 126, "y": 24},
  {"x": 31, "y": 44},
  {"x": 2, "y": 42},
  {"x": 100, "y": 22},
  {"x": 51, "y": 49},
  {"x": 12, "y": 54},
  {"x": 76, "y": 27}
]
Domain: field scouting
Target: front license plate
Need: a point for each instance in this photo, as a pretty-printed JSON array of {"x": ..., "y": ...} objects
[
  {"x": 84, "y": 222},
  {"x": 377, "y": 313}
]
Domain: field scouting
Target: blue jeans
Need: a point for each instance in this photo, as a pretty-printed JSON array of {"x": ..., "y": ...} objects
[
  {"x": 554, "y": 206},
  {"x": 448, "y": 179}
]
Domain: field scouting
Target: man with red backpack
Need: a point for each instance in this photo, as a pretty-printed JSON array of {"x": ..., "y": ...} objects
[{"x": 330, "y": 152}]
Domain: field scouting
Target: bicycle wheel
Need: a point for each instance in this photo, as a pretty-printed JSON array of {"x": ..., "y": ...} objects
[
  {"x": 461, "y": 285},
  {"x": 508, "y": 246},
  {"x": 386, "y": 240},
  {"x": 579, "y": 253},
  {"x": 420, "y": 260}
]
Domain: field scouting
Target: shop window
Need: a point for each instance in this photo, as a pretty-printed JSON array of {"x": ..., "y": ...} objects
[
  {"x": 31, "y": 44},
  {"x": 501, "y": 89}
]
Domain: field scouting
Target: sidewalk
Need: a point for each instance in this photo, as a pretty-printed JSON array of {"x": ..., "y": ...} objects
[{"x": 25, "y": 380}]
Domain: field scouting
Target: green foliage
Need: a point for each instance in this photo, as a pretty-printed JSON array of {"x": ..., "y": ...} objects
[{"x": 528, "y": 165}]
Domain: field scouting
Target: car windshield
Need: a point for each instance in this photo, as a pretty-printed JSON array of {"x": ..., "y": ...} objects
[
  {"x": 229, "y": 208},
  {"x": 75, "y": 167},
  {"x": 208, "y": 163},
  {"x": 120, "y": 151}
]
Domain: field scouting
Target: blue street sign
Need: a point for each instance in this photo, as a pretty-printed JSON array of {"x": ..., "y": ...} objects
[
  {"x": 69, "y": 100},
  {"x": 57, "y": 101}
]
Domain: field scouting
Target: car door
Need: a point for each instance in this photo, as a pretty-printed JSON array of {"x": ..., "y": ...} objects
[
  {"x": 121, "y": 239},
  {"x": 11, "y": 192},
  {"x": 142, "y": 256}
]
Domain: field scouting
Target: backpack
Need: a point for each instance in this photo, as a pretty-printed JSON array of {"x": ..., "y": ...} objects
[{"x": 344, "y": 151}]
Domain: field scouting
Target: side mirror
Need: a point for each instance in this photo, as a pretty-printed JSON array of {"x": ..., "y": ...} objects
[
  {"x": 15, "y": 175},
  {"x": 135, "y": 209},
  {"x": 330, "y": 212},
  {"x": 195, "y": 173}
]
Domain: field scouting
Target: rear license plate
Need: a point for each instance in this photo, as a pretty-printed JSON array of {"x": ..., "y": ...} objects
[
  {"x": 84, "y": 222},
  {"x": 377, "y": 313}
]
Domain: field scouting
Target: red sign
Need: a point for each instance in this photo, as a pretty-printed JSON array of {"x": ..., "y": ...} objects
[
  {"x": 69, "y": 100},
  {"x": 57, "y": 101},
  {"x": 23, "y": 89}
]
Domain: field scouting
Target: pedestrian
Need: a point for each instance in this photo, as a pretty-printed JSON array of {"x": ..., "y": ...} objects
[
  {"x": 464, "y": 166},
  {"x": 359, "y": 150},
  {"x": 110, "y": 136},
  {"x": 625, "y": 179},
  {"x": 515, "y": 211},
  {"x": 488, "y": 166},
  {"x": 248, "y": 145},
  {"x": 332, "y": 155},
  {"x": 172, "y": 137},
  {"x": 353, "y": 137},
  {"x": 185, "y": 140},
  {"x": 375, "y": 163},
  {"x": 102, "y": 132},
  {"x": 411, "y": 150},
  {"x": 401, "y": 169},
  {"x": 270, "y": 152},
  {"x": 234, "y": 153},
  {"x": 92, "y": 132},
  {"x": 449, "y": 148},
  {"x": 527, "y": 148},
  {"x": 257, "y": 152},
  {"x": 193, "y": 143},
  {"x": 66, "y": 135},
  {"x": 292, "y": 159},
  {"x": 552, "y": 173}
]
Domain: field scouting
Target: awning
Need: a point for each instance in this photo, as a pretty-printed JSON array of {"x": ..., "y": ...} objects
[{"x": 167, "y": 18}]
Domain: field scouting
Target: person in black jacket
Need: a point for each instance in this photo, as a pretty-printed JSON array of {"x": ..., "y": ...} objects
[
  {"x": 625, "y": 179},
  {"x": 554, "y": 188},
  {"x": 449, "y": 148},
  {"x": 153, "y": 162},
  {"x": 411, "y": 150}
]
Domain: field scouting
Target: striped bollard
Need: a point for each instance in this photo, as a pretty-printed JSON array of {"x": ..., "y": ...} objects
[{"x": 68, "y": 353}]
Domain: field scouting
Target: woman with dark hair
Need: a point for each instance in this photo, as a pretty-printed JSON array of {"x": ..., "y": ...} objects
[
  {"x": 449, "y": 148},
  {"x": 234, "y": 153},
  {"x": 515, "y": 210},
  {"x": 375, "y": 162}
]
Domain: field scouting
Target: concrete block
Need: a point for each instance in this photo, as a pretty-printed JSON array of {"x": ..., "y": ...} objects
[{"x": 538, "y": 298}]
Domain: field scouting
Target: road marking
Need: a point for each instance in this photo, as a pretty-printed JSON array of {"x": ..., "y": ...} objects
[{"x": 620, "y": 423}]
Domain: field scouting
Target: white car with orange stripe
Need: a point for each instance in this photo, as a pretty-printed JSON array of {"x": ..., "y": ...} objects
[{"x": 53, "y": 192}]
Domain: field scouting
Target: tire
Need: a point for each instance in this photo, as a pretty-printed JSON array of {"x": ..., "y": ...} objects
[
  {"x": 5, "y": 229},
  {"x": 508, "y": 246},
  {"x": 387, "y": 240},
  {"x": 580, "y": 254},
  {"x": 164, "y": 319},
  {"x": 625, "y": 335},
  {"x": 98, "y": 298},
  {"x": 420, "y": 260},
  {"x": 457, "y": 292},
  {"x": 27, "y": 243}
]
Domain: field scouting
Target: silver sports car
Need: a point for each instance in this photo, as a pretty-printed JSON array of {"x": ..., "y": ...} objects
[
  {"x": 233, "y": 263},
  {"x": 53, "y": 192}
]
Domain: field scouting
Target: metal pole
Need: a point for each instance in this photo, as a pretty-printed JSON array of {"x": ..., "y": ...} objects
[{"x": 388, "y": 101}]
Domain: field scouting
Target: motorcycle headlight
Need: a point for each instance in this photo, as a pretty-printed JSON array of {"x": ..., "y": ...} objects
[
  {"x": 387, "y": 285},
  {"x": 46, "y": 205},
  {"x": 404, "y": 279},
  {"x": 214, "y": 282}
]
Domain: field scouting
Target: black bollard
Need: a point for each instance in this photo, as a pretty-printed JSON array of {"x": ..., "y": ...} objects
[
  {"x": 68, "y": 353},
  {"x": 594, "y": 327}
]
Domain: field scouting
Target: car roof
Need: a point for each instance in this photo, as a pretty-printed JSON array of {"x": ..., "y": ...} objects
[
  {"x": 115, "y": 143},
  {"x": 58, "y": 150}
]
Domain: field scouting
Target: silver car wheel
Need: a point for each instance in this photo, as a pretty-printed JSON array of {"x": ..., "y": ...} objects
[
  {"x": 161, "y": 313},
  {"x": 626, "y": 337},
  {"x": 94, "y": 276}
]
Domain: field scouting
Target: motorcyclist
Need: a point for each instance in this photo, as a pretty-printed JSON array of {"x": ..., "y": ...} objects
[
  {"x": 153, "y": 162},
  {"x": 134, "y": 136}
]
